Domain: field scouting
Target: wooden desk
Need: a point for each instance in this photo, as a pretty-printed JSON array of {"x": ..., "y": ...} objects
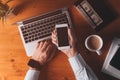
[{"x": 13, "y": 59}]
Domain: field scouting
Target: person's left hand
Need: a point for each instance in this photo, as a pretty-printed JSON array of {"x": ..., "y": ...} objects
[
  {"x": 69, "y": 52},
  {"x": 44, "y": 52}
]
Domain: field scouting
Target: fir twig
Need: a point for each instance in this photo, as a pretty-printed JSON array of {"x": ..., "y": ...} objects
[
  {"x": 4, "y": 11},
  {"x": 8, "y": 1},
  {"x": 2, "y": 18}
]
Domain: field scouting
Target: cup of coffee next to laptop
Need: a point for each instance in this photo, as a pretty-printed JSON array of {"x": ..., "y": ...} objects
[{"x": 94, "y": 43}]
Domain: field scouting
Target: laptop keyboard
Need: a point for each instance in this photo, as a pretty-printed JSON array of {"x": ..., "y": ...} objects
[{"x": 42, "y": 27}]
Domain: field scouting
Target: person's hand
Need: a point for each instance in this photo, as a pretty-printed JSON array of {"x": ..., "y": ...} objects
[
  {"x": 44, "y": 52},
  {"x": 69, "y": 52}
]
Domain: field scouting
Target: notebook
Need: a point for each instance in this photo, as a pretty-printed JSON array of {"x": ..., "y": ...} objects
[{"x": 98, "y": 13}]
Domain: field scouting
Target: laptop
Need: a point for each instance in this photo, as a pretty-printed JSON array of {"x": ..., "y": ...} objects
[{"x": 38, "y": 28}]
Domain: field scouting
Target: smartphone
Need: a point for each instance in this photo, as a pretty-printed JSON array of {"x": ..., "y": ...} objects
[{"x": 62, "y": 36}]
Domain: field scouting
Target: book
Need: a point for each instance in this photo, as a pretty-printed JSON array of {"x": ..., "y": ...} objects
[{"x": 98, "y": 13}]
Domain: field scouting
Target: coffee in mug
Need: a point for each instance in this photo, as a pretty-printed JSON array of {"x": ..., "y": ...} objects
[{"x": 94, "y": 43}]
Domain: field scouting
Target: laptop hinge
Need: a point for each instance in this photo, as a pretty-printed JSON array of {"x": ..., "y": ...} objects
[{"x": 20, "y": 23}]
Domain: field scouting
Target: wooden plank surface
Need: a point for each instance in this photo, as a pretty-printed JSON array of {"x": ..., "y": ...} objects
[{"x": 13, "y": 59}]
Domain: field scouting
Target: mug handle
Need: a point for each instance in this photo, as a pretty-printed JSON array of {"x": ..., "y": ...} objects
[{"x": 99, "y": 52}]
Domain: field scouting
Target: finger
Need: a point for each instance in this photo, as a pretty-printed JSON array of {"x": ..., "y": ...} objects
[
  {"x": 54, "y": 34},
  {"x": 45, "y": 45},
  {"x": 48, "y": 49},
  {"x": 38, "y": 44},
  {"x": 54, "y": 37},
  {"x": 41, "y": 44},
  {"x": 70, "y": 34}
]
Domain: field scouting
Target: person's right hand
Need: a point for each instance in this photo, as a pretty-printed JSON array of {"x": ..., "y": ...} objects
[
  {"x": 44, "y": 52},
  {"x": 69, "y": 52}
]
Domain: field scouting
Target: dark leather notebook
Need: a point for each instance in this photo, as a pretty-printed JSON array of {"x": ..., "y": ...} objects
[{"x": 97, "y": 12}]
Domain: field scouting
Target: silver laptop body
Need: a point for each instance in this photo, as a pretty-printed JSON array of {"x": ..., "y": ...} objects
[{"x": 40, "y": 27}]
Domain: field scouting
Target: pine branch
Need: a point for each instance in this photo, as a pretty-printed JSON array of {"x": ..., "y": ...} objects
[
  {"x": 4, "y": 11},
  {"x": 8, "y": 1},
  {"x": 2, "y": 21}
]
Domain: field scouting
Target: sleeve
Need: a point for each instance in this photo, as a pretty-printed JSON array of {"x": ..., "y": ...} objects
[
  {"x": 81, "y": 70},
  {"x": 32, "y": 75}
]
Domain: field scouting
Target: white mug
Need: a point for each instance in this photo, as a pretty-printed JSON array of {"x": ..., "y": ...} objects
[{"x": 91, "y": 39}]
